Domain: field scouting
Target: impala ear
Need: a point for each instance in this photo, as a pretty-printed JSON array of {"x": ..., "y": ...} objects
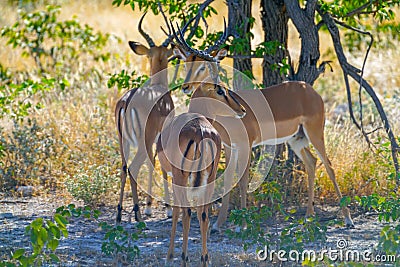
[
  {"x": 221, "y": 54},
  {"x": 179, "y": 53},
  {"x": 138, "y": 48}
]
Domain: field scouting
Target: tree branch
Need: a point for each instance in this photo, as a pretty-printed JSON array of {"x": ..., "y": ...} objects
[
  {"x": 349, "y": 70},
  {"x": 360, "y": 9},
  {"x": 198, "y": 17},
  {"x": 310, "y": 8}
]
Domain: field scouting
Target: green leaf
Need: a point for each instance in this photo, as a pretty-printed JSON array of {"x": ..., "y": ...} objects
[
  {"x": 36, "y": 224},
  {"x": 53, "y": 244},
  {"x": 42, "y": 237},
  {"x": 345, "y": 201},
  {"x": 18, "y": 253},
  {"x": 60, "y": 220},
  {"x": 54, "y": 257}
]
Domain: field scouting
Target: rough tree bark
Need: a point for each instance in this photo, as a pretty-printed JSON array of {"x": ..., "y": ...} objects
[
  {"x": 239, "y": 14},
  {"x": 274, "y": 20},
  {"x": 303, "y": 20}
]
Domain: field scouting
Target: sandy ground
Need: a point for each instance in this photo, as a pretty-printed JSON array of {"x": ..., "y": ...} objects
[{"x": 83, "y": 246}]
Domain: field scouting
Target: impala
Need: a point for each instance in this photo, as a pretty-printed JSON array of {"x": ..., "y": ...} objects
[
  {"x": 139, "y": 115},
  {"x": 295, "y": 114},
  {"x": 189, "y": 150}
]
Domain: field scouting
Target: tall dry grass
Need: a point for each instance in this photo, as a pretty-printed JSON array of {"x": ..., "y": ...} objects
[{"x": 81, "y": 118}]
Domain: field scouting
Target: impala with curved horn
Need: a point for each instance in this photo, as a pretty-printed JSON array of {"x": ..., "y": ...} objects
[
  {"x": 297, "y": 117},
  {"x": 189, "y": 149},
  {"x": 139, "y": 126}
]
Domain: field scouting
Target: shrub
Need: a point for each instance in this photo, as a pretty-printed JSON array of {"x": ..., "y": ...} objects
[
  {"x": 45, "y": 236},
  {"x": 92, "y": 183},
  {"x": 25, "y": 155},
  {"x": 51, "y": 42},
  {"x": 120, "y": 241}
]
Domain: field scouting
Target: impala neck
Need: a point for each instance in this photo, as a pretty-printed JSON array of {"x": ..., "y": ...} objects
[
  {"x": 197, "y": 105},
  {"x": 159, "y": 75}
]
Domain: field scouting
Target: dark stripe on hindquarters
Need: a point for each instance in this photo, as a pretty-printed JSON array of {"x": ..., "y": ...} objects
[
  {"x": 119, "y": 122},
  {"x": 185, "y": 154},
  {"x": 197, "y": 181},
  {"x": 212, "y": 154},
  {"x": 138, "y": 123}
]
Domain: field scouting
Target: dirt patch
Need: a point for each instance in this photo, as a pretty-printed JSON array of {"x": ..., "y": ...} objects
[{"x": 83, "y": 246}]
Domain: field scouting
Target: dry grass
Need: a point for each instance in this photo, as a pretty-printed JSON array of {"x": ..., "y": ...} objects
[{"x": 81, "y": 118}]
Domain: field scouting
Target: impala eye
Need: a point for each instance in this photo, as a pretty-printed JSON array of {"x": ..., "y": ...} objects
[{"x": 220, "y": 91}]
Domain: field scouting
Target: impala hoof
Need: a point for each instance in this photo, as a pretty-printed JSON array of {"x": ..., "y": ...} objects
[
  {"x": 147, "y": 211},
  {"x": 169, "y": 213},
  {"x": 215, "y": 229},
  {"x": 349, "y": 222}
]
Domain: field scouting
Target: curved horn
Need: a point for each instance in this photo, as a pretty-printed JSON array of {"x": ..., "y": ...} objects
[
  {"x": 169, "y": 34},
  {"x": 145, "y": 35},
  {"x": 220, "y": 41},
  {"x": 184, "y": 45}
]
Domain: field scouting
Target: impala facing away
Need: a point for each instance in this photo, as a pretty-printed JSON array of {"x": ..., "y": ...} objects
[
  {"x": 296, "y": 116},
  {"x": 140, "y": 114},
  {"x": 189, "y": 149}
]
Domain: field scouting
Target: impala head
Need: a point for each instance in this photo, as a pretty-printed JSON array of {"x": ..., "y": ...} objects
[
  {"x": 211, "y": 100},
  {"x": 197, "y": 69},
  {"x": 157, "y": 55}
]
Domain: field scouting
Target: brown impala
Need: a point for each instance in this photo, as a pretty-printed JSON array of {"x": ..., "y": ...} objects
[
  {"x": 140, "y": 115},
  {"x": 296, "y": 116},
  {"x": 189, "y": 150}
]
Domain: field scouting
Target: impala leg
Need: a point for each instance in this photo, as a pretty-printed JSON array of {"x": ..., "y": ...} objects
[
  {"x": 243, "y": 185},
  {"x": 175, "y": 217},
  {"x": 123, "y": 148},
  {"x": 310, "y": 163},
  {"x": 317, "y": 139},
  {"x": 133, "y": 170},
  {"x": 149, "y": 199},
  {"x": 228, "y": 180},
  {"x": 187, "y": 213},
  {"x": 202, "y": 216},
  {"x": 167, "y": 197},
  {"x": 121, "y": 194},
  {"x": 300, "y": 146}
]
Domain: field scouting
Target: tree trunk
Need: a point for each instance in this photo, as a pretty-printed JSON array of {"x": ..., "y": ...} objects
[
  {"x": 275, "y": 26},
  {"x": 303, "y": 20},
  {"x": 239, "y": 26}
]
